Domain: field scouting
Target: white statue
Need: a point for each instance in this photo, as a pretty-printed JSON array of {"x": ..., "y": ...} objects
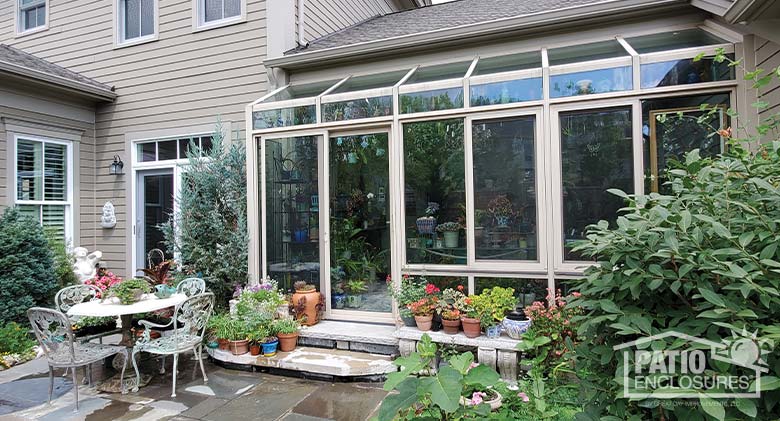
[
  {"x": 108, "y": 219},
  {"x": 85, "y": 266}
]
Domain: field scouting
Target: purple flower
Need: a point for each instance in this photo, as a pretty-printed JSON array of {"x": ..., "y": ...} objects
[{"x": 476, "y": 398}]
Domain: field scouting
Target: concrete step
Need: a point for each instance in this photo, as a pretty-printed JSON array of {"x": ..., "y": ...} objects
[
  {"x": 314, "y": 361},
  {"x": 360, "y": 337}
]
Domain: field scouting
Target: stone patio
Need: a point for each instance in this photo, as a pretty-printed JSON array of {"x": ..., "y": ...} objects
[{"x": 229, "y": 395}]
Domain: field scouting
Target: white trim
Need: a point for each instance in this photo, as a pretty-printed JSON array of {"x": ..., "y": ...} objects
[
  {"x": 684, "y": 53},
  {"x": 119, "y": 40},
  {"x": 19, "y": 31},
  {"x": 199, "y": 23},
  {"x": 585, "y": 66}
]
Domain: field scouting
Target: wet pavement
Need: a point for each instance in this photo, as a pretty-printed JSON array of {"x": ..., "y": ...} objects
[{"x": 228, "y": 395}]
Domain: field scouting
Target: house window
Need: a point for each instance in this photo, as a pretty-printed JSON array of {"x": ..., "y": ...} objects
[
  {"x": 215, "y": 11},
  {"x": 32, "y": 14},
  {"x": 136, "y": 20},
  {"x": 172, "y": 149},
  {"x": 43, "y": 182}
]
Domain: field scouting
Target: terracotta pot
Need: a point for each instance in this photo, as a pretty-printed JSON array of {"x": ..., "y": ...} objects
[
  {"x": 223, "y": 344},
  {"x": 424, "y": 323},
  {"x": 254, "y": 349},
  {"x": 287, "y": 341},
  {"x": 451, "y": 327},
  {"x": 238, "y": 347},
  {"x": 471, "y": 327},
  {"x": 307, "y": 305}
]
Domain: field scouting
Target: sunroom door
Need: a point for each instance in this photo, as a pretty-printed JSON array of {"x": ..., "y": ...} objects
[{"x": 359, "y": 225}]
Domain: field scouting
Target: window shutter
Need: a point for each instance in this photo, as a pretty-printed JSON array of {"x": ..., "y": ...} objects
[
  {"x": 53, "y": 219},
  {"x": 56, "y": 174}
]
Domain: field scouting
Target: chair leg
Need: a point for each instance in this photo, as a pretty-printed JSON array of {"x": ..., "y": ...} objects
[
  {"x": 89, "y": 375},
  {"x": 51, "y": 382},
  {"x": 175, "y": 364},
  {"x": 122, "y": 376},
  {"x": 75, "y": 388},
  {"x": 199, "y": 355},
  {"x": 162, "y": 365},
  {"x": 137, "y": 373}
]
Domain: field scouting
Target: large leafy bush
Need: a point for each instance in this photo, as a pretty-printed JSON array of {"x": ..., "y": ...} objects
[
  {"x": 27, "y": 274},
  {"x": 209, "y": 233}
]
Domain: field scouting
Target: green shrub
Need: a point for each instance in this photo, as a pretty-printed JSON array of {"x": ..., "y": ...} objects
[
  {"x": 26, "y": 275},
  {"x": 63, "y": 260},
  {"x": 15, "y": 339}
]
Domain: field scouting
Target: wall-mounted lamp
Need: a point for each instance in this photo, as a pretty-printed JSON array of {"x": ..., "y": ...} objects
[{"x": 116, "y": 167}]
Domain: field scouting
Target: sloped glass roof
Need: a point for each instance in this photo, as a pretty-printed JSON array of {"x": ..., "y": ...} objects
[
  {"x": 522, "y": 61},
  {"x": 360, "y": 83},
  {"x": 676, "y": 40},
  {"x": 301, "y": 91},
  {"x": 439, "y": 72},
  {"x": 586, "y": 52}
]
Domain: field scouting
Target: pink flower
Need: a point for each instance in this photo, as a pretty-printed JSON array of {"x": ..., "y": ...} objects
[
  {"x": 472, "y": 365},
  {"x": 523, "y": 396},
  {"x": 476, "y": 398},
  {"x": 576, "y": 294}
]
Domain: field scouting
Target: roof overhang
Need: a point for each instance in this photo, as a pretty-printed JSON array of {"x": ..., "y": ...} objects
[
  {"x": 81, "y": 89},
  {"x": 751, "y": 10},
  {"x": 532, "y": 23}
]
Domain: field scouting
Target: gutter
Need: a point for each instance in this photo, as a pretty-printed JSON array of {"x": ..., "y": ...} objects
[
  {"x": 747, "y": 10},
  {"x": 91, "y": 91},
  {"x": 547, "y": 19}
]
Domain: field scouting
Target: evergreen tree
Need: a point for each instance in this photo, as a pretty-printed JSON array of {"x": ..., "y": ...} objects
[{"x": 208, "y": 232}]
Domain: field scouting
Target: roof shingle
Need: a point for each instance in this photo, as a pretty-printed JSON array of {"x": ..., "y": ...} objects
[{"x": 20, "y": 58}]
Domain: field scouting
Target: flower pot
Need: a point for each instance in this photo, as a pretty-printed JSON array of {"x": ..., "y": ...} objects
[
  {"x": 502, "y": 221},
  {"x": 254, "y": 350},
  {"x": 409, "y": 321},
  {"x": 424, "y": 323},
  {"x": 494, "y": 399},
  {"x": 354, "y": 301},
  {"x": 515, "y": 328},
  {"x": 222, "y": 344},
  {"x": 339, "y": 300},
  {"x": 450, "y": 239},
  {"x": 269, "y": 349},
  {"x": 471, "y": 327},
  {"x": 238, "y": 347},
  {"x": 451, "y": 327},
  {"x": 307, "y": 306},
  {"x": 493, "y": 331},
  {"x": 287, "y": 341},
  {"x": 426, "y": 225}
]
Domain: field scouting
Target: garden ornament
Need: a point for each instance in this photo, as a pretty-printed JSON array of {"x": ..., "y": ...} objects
[
  {"x": 85, "y": 266},
  {"x": 108, "y": 219}
]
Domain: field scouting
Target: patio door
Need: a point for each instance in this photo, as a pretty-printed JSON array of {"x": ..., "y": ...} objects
[
  {"x": 154, "y": 205},
  {"x": 359, "y": 225}
]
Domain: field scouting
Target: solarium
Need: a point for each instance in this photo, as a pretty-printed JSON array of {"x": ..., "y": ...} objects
[{"x": 518, "y": 148}]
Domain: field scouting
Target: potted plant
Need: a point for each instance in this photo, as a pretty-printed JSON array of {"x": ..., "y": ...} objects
[
  {"x": 255, "y": 336},
  {"x": 306, "y": 303},
  {"x": 354, "y": 290},
  {"x": 339, "y": 296},
  {"x": 492, "y": 305},
  {"x": 409, "y": 291},
  {"x": 130, "y": 291},
  {"x": 423, "y": 310},
  {"x": 450, "y": 231},
  {"x": 233, "y": 330},
  {"x": 270, "y": 342},
  {"x": 501, "y": 209},
  {"x": 426, "y": 224},
  {"x": 215, "y": 327},
  {"x": 287, "y": 332},
  {"x": 447, "y": 308},
  {"x": 470, "y": 318}
]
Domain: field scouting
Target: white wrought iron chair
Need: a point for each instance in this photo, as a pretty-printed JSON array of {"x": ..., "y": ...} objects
[
  {"x": 189, "y": 321},
  {"x": 76, "y": 294},
  {"x": 191, "y": 287},
  {"x": 55, "y": 336}
]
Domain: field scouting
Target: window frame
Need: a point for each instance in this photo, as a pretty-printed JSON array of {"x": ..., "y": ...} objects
[
  {"x": 69, "y": 184},
  {"x": 19, "y": 21},
  {"x": 199, "y": 17},
  {"x": 119, "y": 29}
]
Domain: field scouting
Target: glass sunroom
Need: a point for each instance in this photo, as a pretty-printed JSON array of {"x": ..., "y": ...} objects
[{"x": 478, "y": 172}]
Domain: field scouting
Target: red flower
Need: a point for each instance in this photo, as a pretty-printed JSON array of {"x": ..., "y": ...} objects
[
  {"x": 388, "y": 279},
  {"x": 431, "y": 289},
  {"x": 460, "y": 288}
]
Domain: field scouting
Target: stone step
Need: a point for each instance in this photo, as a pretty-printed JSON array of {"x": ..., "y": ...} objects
[
  {"x": 358, "y": 337},
  {"x": 314, "y": 361}
]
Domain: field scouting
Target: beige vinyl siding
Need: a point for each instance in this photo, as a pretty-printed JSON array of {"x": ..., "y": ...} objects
[
  {"x": 4, "y": 187},
  {"x": 326, "y": 16},
  {"x": 182, "y": 80},
  {"x": 768, "y": 58}
]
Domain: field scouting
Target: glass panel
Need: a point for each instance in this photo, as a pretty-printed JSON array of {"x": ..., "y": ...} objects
[
  {"x": 358, "y": 108},
  {"x": 232, "y": 8},
  {"x": 440, "y": 72},
  {"x": 684, "y": 72},
  {"x": 526, "y": 290},
  {"x": 586, "y": 52},
  {"x": 509, "y": 63},
  {"x": 56, "y": 177},
  {"x": 29, "y": 170},
  {"x": 166, "y": 150},
  {"x": 147, "y": 17},
  {"x": 301, "y": 91},
  {"x": 506, "y": 92},
  {"x": 382, "y": 80},
  {"x": 31, "y": 211},
  {"x": 284, "y": 117},
  {"x": 30, "y": 18},
  {"x": 360, "y": 222},
  {"x": 132, "y": 18},
  {"x": 434, "y": 191},
  {"x": 505, "y": 189},
  {"x": 591, "y": 82},
  {"x": 54, "y": 219},
  {"x": 41, "y": 15},
  {"x": 158, "y": 206},
  {"x": 213, "y": 10},
  {"x": 444, "y": 282},
  {"x": 439, "y": 99},
  {"x": 596, "y": 155},
  {"x": 147, "y": 152},
  {"x": 687, "y": 38},
  {"x": 206, "y": 144},
  {"x": 292, "y": 210},
  {"x": 187, "y": 146},
  {"x": 672, "y": 127}
]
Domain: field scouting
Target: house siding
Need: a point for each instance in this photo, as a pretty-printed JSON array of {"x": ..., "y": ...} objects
[
  {"x": 768, "y": 58},
  {"x": 326, "y": 16}
]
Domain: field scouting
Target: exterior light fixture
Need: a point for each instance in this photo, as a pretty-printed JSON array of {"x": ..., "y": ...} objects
[{"x": 116, "y": 167}]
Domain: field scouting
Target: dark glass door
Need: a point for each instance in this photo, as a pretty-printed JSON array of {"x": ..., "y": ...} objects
[{"x": 154, "y": 207}]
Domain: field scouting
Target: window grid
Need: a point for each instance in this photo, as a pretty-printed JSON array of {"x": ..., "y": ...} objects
[
  {"x": 136, "y": 20},
  {"x": 215, "y": 11},
  {"x": 32, "y": 14},
  {"x": 172, "y": 149}
]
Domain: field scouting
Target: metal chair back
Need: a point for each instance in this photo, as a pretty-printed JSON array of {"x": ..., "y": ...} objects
[
  {"x": 75, "y": 294},
  {"x": 191, "y": 287},
  {"x": 192, "y": 315},
  {"x": 54, "y": 333}
]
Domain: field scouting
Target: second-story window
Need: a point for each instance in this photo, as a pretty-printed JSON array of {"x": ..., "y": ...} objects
[
  {"x": 216, "y": 11},
  {"x": 32, "y": 15},
  {"x": 136, "y": 20}
]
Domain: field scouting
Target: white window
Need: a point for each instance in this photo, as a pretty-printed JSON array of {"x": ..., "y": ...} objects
[
  {"x": 32, "y": 14},
  {"x": 43, "y": 169},
  {"x": 216, "y": 12},
  {"x": 137, "y": 21}
]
